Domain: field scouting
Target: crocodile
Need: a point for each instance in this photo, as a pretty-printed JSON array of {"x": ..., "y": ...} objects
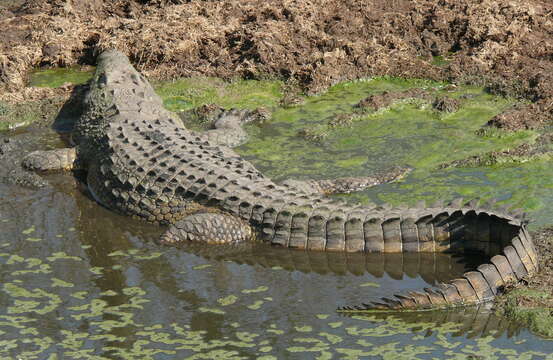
[{"x": 141, "y": 161}]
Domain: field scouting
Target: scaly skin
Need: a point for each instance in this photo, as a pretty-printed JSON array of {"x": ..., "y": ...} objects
[{"x": 142, "y": 162}]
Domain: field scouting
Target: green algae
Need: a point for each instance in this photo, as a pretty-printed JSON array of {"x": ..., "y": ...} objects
[
  {"x": 56, "y": 77},
  {"x": 227, "y": 300},
  {"x": 29, "y": 230},
  {"x": 256, "y": 305},
  {"x": 185, "y": 94},
  {"x": 211, "y": 310},
  {"x": 62, "y": 255},
  {"x": 256, "y": 290},
  {"x": 152, "y": 309},
  {"x": 404, "y": 134},
  {"x": 201, "y": 267},
  {"x": 538, "y": 316},
  {"x": 407, "y": 133}
]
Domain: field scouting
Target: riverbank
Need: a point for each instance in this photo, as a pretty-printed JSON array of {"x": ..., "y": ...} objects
[{"x": 311, "y": 44}]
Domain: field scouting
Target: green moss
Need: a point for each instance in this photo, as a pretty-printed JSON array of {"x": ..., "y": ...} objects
[
  {"x": 185, "y": 94},
  {"x": 53, "y": 78},
  {"x": 537, "y": 315}
]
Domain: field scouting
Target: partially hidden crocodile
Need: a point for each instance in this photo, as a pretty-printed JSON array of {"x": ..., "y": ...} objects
[{"x": 141, "y": 161}]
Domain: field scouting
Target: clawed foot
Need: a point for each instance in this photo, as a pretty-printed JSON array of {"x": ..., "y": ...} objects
[{"x": 234, "y": 118}]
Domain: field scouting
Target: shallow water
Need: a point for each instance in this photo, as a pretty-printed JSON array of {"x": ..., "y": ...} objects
[
  {"x": 79, "y": 281},
  {"x": 59, "y": 76}
]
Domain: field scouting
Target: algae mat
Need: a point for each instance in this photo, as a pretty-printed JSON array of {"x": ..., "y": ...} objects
[
  {"x": 79, "y": 281},
  {"x": 407, "y": 133}
]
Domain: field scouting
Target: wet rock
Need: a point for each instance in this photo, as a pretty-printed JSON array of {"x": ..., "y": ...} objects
[{"x": 12, "y": 151}]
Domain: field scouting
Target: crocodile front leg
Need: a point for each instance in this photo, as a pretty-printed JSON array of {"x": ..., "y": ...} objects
[
  {"x": 346, "y": 185},
  {"x": 51, "y": 160},
  {"x": 227, "y": 128},
  {"x": 213, "y": 228}
]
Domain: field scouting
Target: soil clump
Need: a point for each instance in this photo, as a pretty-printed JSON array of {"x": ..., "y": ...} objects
[{"x": 446, "y": 104}]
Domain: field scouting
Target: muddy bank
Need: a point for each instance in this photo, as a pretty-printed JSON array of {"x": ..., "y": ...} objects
[{"x": 314, "y": 44}]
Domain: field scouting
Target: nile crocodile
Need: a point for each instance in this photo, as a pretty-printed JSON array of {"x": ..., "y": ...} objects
[{"x": 141, "y": 161}]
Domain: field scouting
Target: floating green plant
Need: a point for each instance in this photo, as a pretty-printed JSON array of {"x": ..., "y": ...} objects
[
  {"x": 57, "y": 77},
  {"x": 185, "y": 94}
]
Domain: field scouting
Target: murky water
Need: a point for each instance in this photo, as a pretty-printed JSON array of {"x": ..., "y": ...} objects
[{"x": 79, "y": 281}]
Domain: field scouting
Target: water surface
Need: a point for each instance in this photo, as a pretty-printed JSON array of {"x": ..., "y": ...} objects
[{"x": 79, "y": 281}]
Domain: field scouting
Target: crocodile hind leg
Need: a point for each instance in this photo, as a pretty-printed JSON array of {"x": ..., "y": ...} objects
[
  {"x": 212, "y": 228},
  {"x": 51, "y": 160},
  {"x": 346, "y": 185}
]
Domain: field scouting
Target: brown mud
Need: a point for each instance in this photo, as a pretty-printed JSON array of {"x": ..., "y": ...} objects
[
  {"x": 543, "y": 281},
  {"x": 314, "y": 44}
]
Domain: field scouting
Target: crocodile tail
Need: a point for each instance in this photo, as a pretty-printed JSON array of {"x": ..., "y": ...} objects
[{"x": 515, "y": 259}]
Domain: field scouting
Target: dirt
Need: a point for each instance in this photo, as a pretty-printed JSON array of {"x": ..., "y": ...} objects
[
  {"x": 446, "y": 104},
  {"x": 543, "y": 280},
  {"x": 525, "y": 117},
  {"x": 507, "y": 46}
]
